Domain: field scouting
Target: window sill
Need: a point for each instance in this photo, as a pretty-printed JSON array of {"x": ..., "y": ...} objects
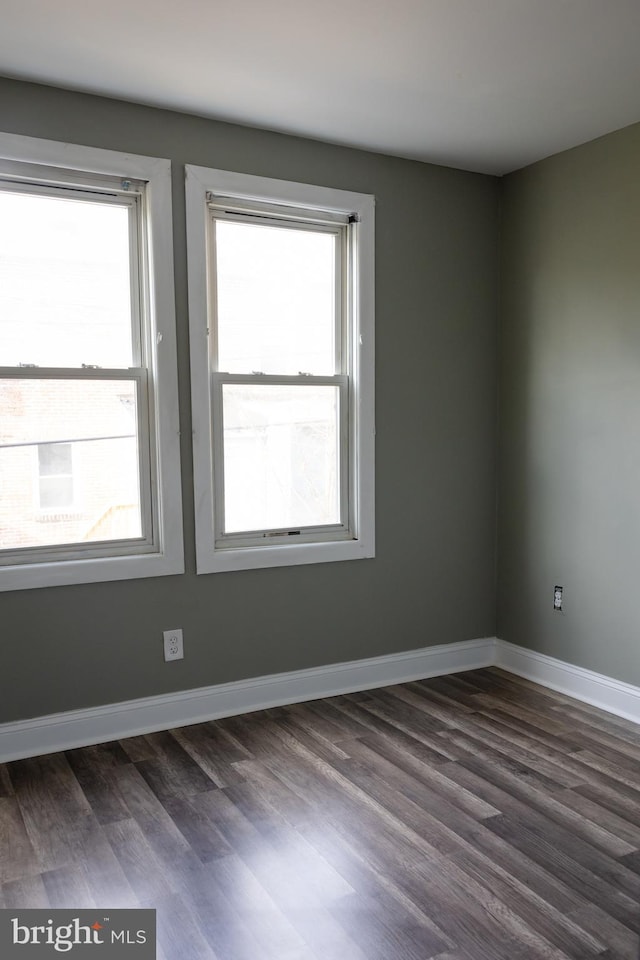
[
  {"x": 283, "y": 555},
  {"x": 58, "y": 573}
]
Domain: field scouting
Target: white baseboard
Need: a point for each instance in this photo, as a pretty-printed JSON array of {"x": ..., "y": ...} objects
[
  {"x": 616, "y": 697},
  {"x": 80, "y": 728}
]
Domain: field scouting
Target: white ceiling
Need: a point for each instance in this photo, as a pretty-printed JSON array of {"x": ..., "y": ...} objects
[{"x": 485, "y": 85}]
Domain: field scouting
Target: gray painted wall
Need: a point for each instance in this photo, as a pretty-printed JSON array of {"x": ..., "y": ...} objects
[
  {"x": 433, "y": 579},
  {"x": 570, "y": 406}
]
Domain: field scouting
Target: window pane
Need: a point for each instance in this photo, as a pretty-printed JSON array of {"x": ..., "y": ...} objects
[
  {"x": 68, "y": 462},
  {"x": 280, "y": 456},
  {"x": 275, "y": 299},
  {"x": 56, "y": 476},
  {"x": 54, "y": 459},
  {"x": 56, "y": 493},
  {"x": 65, "y": 292}
]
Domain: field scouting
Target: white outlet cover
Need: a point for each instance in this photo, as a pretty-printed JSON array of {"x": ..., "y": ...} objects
[{"x": 173, "y": 645}]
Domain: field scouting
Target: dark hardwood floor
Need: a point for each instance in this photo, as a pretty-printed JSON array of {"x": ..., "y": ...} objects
[{"x": 470, "y": 817}]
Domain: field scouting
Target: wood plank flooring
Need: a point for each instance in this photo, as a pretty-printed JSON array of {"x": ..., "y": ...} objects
[{"x": 469, "y": 817}]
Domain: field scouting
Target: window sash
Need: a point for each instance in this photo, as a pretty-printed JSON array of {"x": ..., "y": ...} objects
[
  {"x": 260, "y": 536},
  {"x": 147, "y": 543},
  {"x": 341, "y": 263},
  {"x": 132, "y": 199}
]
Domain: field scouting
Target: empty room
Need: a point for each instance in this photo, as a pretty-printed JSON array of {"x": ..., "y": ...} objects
[{"x": 319, "y": 473}]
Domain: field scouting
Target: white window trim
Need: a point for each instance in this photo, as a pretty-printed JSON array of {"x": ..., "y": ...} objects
[
  {"x": 168, "y": 556},
  {"x": 201, "y": 181}
]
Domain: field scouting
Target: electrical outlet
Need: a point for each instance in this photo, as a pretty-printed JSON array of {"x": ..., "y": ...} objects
[
  {"x": 173, "y": 648},
  {"x": 557, "y": 598}
]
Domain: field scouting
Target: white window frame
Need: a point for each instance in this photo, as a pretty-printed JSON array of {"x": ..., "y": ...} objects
[
  {"x": 354, "y": 538},
  {"x": 161, "y": 552}
]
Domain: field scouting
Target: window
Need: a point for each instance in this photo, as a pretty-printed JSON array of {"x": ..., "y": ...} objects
[
  {"x": 88, "y": 388},
  {"x": 55, "y": 477},
  {"x": 281, "y": 326}
]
